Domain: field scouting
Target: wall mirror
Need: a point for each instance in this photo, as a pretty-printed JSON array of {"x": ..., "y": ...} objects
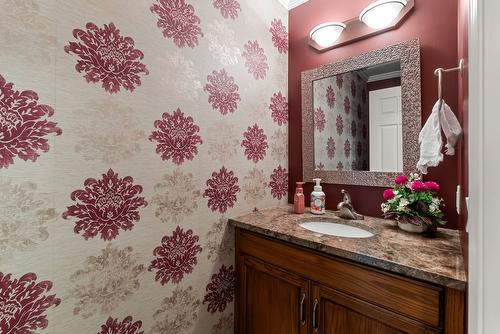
[{"x": 361, "y": 117}]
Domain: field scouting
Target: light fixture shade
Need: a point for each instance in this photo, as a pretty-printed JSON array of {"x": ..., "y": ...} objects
[
  {"x": 327, "y": 33},
  {"x": 381, "y": 13}
]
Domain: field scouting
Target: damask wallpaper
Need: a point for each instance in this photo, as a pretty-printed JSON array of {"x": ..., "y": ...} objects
[
  {"x": 129, "y": 132},
  {"x": 341, "y": 123}
]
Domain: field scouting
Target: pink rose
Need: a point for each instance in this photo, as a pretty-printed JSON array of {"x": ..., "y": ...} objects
[
  {"x": 389, "y": 194},
  {"x": 419, "y": 186},
  {"x": 401, "y": 179},
  {"x": 431, "y": 185}
]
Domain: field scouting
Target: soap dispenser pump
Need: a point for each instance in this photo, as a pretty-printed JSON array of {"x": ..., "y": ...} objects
[{"x": 318, "y": 199}]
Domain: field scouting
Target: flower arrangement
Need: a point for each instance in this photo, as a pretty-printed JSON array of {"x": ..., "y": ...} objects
[{"x": 414, "y": 201}]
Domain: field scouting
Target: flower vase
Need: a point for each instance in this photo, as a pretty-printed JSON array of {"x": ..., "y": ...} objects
[{"x": 412, "y": 224}]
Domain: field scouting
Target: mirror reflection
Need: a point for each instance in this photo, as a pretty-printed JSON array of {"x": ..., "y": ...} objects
[{"x": 358, "y": 120}]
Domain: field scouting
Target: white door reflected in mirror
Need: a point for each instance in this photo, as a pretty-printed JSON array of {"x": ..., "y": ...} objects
[{"x": 386, "y": 142}]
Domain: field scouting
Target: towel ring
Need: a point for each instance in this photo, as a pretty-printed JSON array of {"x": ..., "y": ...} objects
[{"x": 439, "y": 73}]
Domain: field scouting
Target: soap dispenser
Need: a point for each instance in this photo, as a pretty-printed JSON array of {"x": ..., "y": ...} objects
[
  {"x": 298, "y": 199},
  {"x": 318, "y": 199}
]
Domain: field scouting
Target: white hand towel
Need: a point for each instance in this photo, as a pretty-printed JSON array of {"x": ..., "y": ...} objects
[
  {"x": 430, "y": 142},
  {"x": 451, "y": 128}
]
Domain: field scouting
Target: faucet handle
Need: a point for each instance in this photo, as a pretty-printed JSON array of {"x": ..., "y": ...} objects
[{"x": 347, "y": 196}]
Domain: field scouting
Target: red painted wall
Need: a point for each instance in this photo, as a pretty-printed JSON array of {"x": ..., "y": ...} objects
[{"x": 435, "y": 23}]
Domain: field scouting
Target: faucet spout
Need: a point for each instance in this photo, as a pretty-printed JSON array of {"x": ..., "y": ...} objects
[{"x": 346, "y": 209}]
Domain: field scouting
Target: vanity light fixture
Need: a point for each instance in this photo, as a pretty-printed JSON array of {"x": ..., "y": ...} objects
[
  {"x": 377, "y": 18},
  {"x": 382, "y": 13},
  {"x": 326, "y": 34}
]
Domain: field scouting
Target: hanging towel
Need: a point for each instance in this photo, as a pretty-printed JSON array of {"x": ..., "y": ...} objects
[
  {"x": 430, "y": 139},
  {"x": 451, "y": 128},
  {"x": 430, "y": 142}
]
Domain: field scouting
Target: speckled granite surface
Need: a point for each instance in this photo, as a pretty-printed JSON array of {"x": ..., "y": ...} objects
[{"x": 434, "y": 260}]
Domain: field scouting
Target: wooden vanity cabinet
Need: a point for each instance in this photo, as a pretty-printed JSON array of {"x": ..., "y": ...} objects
[{"x": 287, "y": 289}]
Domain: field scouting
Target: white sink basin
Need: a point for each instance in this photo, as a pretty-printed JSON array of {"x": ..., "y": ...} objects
[{"x": 336, "y": 229}]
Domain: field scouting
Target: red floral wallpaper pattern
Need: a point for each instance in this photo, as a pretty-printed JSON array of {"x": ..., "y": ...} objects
[
  {"x": 177, "y": 137},
  {"x": 178, "y": 21},
  {"x": 126, "y": 326},
  {"x": 23, "y": 302},
  {"x": 222, "y": 190},
  {"x": 319, "y": 119},
  {"x": 108, "y": 57},
  {"x": 23, "y": 125},
  {"x": 221, "y": 289},
  {"x": 227, "y": 8},
  {"x": 279, "y": 36},
  {"x": 223, "y": 92},
  {"x": 330, "y": 96},
  {"x": 106, "y": 206},
  {"x": 339, "y": 79},
  {"x": 176, "y": 256},
  {"x": 330, "y": 148},
  {"x": 255, "y": 60},
  {"x": 255, "y": 143},
  {"x": 279, "y": 108},
  {"x": 125, "y": 202},
  {"x": 279, "y": 182},
  {"x": 339, "y": 123}
]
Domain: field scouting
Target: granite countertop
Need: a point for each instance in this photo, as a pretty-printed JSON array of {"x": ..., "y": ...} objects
[{"x": 435, "y": 260}]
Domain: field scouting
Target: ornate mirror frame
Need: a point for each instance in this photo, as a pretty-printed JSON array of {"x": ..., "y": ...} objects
[{"x": 408, "y": 53}]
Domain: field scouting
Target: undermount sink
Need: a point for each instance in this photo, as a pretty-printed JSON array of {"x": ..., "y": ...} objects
[{"x": 336, "y": 229}]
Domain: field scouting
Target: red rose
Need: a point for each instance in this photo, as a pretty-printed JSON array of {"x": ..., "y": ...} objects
[
  {"x": 389, "y": 194},
  {"x": 431, "y": 185},
  {"x": 419, "y": 186},
  {"x": 401, "y": 180}
]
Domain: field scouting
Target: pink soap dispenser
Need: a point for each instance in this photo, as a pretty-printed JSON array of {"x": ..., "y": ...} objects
[{"x": 298, "y": 199}]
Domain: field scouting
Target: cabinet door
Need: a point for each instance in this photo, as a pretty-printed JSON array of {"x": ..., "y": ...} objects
[
  {"x": 334, "y": 312},
  {"x": 270, "y": 300}
]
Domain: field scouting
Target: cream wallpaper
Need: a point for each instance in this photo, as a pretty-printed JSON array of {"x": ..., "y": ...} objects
[{"x": 129, "y": 132}]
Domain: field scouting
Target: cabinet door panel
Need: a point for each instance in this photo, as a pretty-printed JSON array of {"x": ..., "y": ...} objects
[
  {"x": 340, "y": 313},
  {"x": 272, "y": 300},
  {"x": 341, "y": 320}
]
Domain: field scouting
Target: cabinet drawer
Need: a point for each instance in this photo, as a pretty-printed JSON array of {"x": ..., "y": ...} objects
[{"x": 404, "y": 296}]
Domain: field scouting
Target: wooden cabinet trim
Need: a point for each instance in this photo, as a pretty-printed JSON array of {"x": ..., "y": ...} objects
[
  {"x": 454, "y": 311},
  {"x": 240, "y": 302},
  {"x": 276, "y": 272},
  {"x": 414, "y": 299}
]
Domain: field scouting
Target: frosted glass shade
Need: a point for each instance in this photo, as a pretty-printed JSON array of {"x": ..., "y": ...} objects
[
  {"x": 382, "y": 13},
  {"x": 327, "y": 33}
]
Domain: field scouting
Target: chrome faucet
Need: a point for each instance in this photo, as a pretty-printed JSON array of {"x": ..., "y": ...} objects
[{"x": 345, "y": 208}]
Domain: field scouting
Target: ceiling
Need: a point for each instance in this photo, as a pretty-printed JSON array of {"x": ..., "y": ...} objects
[{"x": 289, "y": 4}]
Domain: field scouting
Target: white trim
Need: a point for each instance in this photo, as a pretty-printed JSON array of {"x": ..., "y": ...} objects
[
  {"x": 488, "y": 233},
  {"x": 475, "y": 224},
  {"x": 476, "y": 172},
  {"x": 384, "y": 76},
  {"x": 290, "y": 4}
]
